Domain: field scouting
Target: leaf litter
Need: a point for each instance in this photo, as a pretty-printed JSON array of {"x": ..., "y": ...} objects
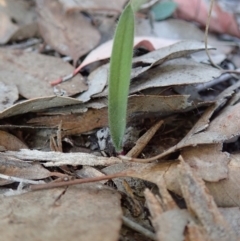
[{"x": 66, "y": 128}]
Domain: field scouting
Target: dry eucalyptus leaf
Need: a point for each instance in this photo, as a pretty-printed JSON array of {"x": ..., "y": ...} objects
[
  {"x": 70, "y": 34},
  {"x": 95, "y": 118},
  {"x": 208, "y": 161},
  {"x": 89, "y": 212},
  {"x": 37, "y": 105},
  {"x": 17, "y": 20},
  {"x": 32, "y": 74},
  {"x": 169, "y": 224},
  {"x": 17, "y": 168},
  {"x": 104, "y": 50},
  {"x": 232, "y": 216},
  {"x": 8, "y": 95},
  {"x": 145, "y": 62},
  {"x": 201, "y": 204},
  {"x": 226, "y": 192},
  {"x": 93, "y": 5},
  {"x": 175, "y": 72},
  {"x": 11, "y": 142}
]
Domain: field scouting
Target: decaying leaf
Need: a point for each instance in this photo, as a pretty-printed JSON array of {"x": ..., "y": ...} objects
[
  {"x": 202, "y": 205},
  {"x": 15, "y": 167},
  {"x": 95, "y": 118},
  {"x": 11, "y": 142},
  {"x": 37, "y": 105},
  {"x": 69, "y": 34},
  {"x": 208, "y": 161},
  {"x": 93, "y": 211},
  {"x": 32, "y": 74},
  {"x": 18, "y": 20},
  {"x": 8, "y": 95},
  {"x": 104, "y": 50}
]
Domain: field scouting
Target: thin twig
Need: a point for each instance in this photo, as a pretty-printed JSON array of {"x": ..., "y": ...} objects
[
  {"x": 135, "y": 226},
  {"x": 206, "y": 35},
  {"x": 76, "y": 181}
]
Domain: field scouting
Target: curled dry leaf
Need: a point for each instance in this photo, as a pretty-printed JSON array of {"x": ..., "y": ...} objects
[
  {"x": 32, "y": 74},
  {"x": 18, "y": 20},
  {"x": 70, "y": 34},
  {"x": 77, "y": 213},
  {"x": 8, "y": 95},
  {"x": 104, "y": 50},
  {"x": 37, "y": 105}
]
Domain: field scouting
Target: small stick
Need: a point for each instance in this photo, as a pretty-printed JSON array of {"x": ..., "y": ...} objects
[{"x": 76, "y": 181}]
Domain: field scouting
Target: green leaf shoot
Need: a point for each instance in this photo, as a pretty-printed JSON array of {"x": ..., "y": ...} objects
[{"x": 119, "y": 75}]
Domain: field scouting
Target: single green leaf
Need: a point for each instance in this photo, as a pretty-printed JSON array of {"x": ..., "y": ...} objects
[
  {"x": 119, "y": 75},
  {"x": 163, "y": 10}
]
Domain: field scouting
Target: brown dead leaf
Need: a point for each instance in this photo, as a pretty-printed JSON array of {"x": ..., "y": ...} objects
[
  {"x": 37, "y": 105},
  {"x": 208, "y": 161},
  {"x": 32, "y": 74},
  {"x": 221, "y": 21},
  {"x": 11, "y": 142},
  {"x": 232, "y": 216},
  {"x": 175, "y": 72},
  {"x": 69, "y": 34},
  {"x": 81, "y": 213},
  {"x": 17, "y": 20},
  {"x": 94, "y": 118},
  {"x": 92, "y": 5},
  {"x": 169, "y": 224},
  {"x": 15, "y": 167},
  {"x": 201, "y": 204},
  {"x": 8, "y": 95}
]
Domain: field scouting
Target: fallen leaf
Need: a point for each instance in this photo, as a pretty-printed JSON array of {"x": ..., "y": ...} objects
[
  {"x": 69, "y": 34},
  {"x": 203, "y": 158},
  {"x": 232, "y": 216},
  {"x": 96, "y": 118},
  {"x": 15, "y": 167},
  {"x": 201, "y": 204},
  {"x": 37, "y": 105},
  {"x": 175, "y": 72},
  {"x": 8, "y": 95},
  {"x": 104, "y": 50},
  {"x": 145, "y": 62},
  {"x": 18, "y": 20},
  {"x": 32, "y": 74},
  {"x": 11, "y": 142},
  {"x": 93, "y": 211}
]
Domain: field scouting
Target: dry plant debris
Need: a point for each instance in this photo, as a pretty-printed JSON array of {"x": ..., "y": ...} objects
[{"x": 178, "y": 178}]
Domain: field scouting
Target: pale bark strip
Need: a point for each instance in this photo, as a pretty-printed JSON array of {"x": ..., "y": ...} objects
[{"x": 59, "y": 159}]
